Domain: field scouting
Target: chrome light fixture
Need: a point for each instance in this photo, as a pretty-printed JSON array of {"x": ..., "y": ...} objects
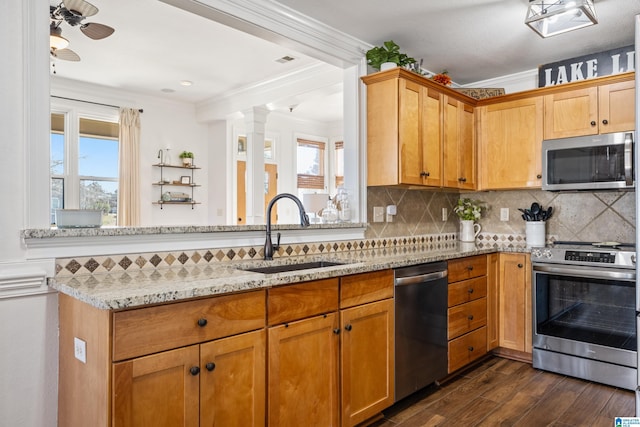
[{"x": 551, "y": 17}]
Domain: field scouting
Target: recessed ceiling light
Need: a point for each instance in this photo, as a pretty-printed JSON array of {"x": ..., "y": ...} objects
[
  {"x": 285, "y": 59},
  {"x": 186, "y": 83},
  {"x": 167, "y": 90}
]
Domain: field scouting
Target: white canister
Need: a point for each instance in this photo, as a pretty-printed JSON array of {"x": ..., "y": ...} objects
[
  {"x": 535, "y": 233},
  {"x": 388, "y": 66},
  {"x": 469, "y": 230}
]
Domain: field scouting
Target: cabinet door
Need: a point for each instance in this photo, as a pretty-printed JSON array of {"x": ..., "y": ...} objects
[
  {"x": 157, "y": 390},
  {"x": 303, "y": 373},
  {"x": 409, "y": 127},
  {"x": 493, "y": 302},
  {"x": 232, "y": 384},
  {"x": 616, "y": 110},
  {"x": 459, "y": 144},
  {"x": 511, "y": 144},
  {"x": 515, "y": 302},
  {"x": 367, "y": 360},
  {"x": 431, "y": 122},
  {"x": 571, "y": 113}
]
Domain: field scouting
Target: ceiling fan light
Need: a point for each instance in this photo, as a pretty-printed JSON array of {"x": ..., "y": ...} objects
[
  {"x": 551, "y": 17},
  {"x": 56, "y": 41}
]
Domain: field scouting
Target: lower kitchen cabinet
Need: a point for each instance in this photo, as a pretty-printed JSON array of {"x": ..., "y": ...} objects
[
  {"x": 367, "y": 360},
  {"x": 303, "y": 373},
  {"x": 514, "y": 295},
  {"x": 217, "y": 383}
]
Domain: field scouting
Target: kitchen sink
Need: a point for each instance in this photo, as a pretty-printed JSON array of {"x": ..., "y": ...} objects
[{"x": 283, "y": 268}]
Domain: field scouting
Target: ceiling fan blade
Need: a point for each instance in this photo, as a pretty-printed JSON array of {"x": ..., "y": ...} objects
[
  {"x": 80, "y": 7},
  {"x": 65, "y": 55},
  {"x": 96, "y": 31}
]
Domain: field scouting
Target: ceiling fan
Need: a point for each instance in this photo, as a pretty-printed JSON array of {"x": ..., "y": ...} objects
[{"x": 73, "y": 12}]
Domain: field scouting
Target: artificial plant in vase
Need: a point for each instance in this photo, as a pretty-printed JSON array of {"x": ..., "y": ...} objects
[
  {"x": 389, "y": 52},
  {"x": 187, "y": 158},
  {"x": 469, "y": 211}
]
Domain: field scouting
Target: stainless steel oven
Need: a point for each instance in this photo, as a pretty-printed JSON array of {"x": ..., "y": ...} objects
[{"x": 584, "y": 312}]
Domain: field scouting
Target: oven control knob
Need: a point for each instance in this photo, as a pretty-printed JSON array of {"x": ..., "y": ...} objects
[
  {"x": 547, "y": 254},
  {"x": 633, "y": 258},
  {"x": 536, "y": 253}
]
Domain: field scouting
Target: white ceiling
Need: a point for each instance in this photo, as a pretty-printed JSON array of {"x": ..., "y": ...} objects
[{"x": 156, "y": 45}]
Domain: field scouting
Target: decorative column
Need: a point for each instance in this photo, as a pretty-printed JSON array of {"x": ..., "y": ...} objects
[{"x": 255, "y": 120}]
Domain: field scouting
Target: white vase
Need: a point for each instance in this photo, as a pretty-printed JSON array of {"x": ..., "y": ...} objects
[
  {"x": 387, "y": 66},
  {"x": 535, "y": 233},
  {"x": 469, "y": 230}
]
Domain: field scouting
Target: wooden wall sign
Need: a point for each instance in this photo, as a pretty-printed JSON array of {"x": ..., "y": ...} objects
[{"x": 585, "y": 67}]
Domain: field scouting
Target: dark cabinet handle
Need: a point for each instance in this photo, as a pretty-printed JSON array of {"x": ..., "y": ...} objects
[
  {"x": 593, "y": 123},
  {"x": 470, "y": 267},
  {"x": 605, "y": 122},
  {"x": 424, "y": 174},
  {"x": 520, "y": 265},
  {"x": 336, "y": 331},
  {"x": 202, "y": 322},
  {"x": 239, "y": 219},
  {"x": 210, "y": 366},
  {"x": 348, "y": 327},
  {"x": 462, "y": 179},
  {"x": 470, "y": 317},
  {"x": 470, "y": 348},
  {"x": 539, "y": 176},
  {"x": 194, "y": 370},
  {"x": 470, "y": 290}
]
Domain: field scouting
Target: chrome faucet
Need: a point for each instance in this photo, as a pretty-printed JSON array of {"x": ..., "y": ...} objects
[{"x": 304, "y": 222}]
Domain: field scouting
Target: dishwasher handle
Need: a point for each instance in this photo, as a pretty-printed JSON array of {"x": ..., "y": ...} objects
[{"x": 421, "y": 278}]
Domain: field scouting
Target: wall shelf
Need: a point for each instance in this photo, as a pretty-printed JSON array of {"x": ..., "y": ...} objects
[{"x": 176, "y": 183}]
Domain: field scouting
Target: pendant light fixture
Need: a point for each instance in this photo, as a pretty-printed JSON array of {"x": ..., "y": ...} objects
[{"x": 551, "y": 17}]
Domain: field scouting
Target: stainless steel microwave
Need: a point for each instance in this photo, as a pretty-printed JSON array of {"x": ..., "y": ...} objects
[{"x": 594, "y": 162}]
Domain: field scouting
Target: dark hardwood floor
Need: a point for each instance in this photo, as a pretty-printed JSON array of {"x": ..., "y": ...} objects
[{"x": 502, "y": 392}]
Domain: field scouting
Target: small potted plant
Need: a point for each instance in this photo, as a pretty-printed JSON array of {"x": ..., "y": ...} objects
[
  {"x": 469, "y": 211},
  {"x": 387, "y": 56},
  {"x": 187, "y": 158}
]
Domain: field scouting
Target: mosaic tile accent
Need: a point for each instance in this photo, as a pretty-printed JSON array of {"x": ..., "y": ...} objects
[{"x": 66, "y": 267}]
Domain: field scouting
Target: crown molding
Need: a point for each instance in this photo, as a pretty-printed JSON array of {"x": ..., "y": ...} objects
[{"x": 280, "y": 24}]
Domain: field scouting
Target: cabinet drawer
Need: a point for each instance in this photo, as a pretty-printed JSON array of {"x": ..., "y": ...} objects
[
  {"x": 149, "y": 330},
  {"x": 467, "y": 317},
  {"x": 293, "y": 302},
  {"x": 364, "y": 288},
  {"x": 467, "y": 290},
  {"x": 467, "y": 268},
  {"x": 467, "y": 348}
]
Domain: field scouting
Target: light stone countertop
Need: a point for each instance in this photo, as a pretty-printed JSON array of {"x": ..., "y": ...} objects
[{"x": 132, "y": 289}]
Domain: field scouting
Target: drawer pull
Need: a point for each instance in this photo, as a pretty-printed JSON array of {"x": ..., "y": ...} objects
[
  {"x": 336, "y": 331},
  {"x": 520, "y": 265},
  {"x": 605, "y": 122},
  {"x": 470, "y": 317},
  {"x": 470, "y": 348},
  {"x": 470, "y": 267},
  {"x": 210, "y": 366},
  {"x": 194, "y": 370},
  {"x": 470, "y": 290},
  {"x": 348, "y": 327},
  {"x": 202, "y": 322},
  {"x": 593, "y": 123}
]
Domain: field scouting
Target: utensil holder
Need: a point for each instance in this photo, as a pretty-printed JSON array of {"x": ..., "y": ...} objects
[{"x": 535, "y": 233}]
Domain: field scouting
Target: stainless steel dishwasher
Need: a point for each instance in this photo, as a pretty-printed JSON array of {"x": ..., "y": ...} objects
[{"x": 421, "y": 326}]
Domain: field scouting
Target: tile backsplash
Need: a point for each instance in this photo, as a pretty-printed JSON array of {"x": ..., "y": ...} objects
[{"x": 584, "y": 216}]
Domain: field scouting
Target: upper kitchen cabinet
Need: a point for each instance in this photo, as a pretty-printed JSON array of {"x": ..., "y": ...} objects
[
  {"x": 459, "y": 144},
  {"x": 404, "y": 130},
  {"x": 510, "y": 138},
  {"x": 603, "y": 108},
  {"x": 419, "y": 133}
]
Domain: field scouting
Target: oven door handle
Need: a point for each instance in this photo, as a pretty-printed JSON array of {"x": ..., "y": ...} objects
[
  {"x": 594, "y": 273},
  {"x": 628, "y": 159}
]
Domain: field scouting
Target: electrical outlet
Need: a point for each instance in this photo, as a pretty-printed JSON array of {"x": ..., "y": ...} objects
[
  {"x": 378, "y": 214},
  {"x": 445, "y": 214},
  {"x": 504, "y": 214},
  {"x": 80, "y": 349}
]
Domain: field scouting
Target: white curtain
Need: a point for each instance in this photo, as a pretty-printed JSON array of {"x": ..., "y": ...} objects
[{"x": 129, "y": 185}]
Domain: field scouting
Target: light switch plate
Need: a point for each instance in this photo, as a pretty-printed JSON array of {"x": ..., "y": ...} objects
[
  {"x": 504, "y": 214},
  {"x": 445, "y": 214},
  {"x": 378, "y": 214},
  {"x": 80, "y": 349}
]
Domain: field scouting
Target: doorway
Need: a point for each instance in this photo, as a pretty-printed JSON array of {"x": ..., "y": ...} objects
[{"x": 270, "y": 190}]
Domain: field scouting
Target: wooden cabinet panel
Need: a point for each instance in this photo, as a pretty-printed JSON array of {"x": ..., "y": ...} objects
[
  {"x": 383, "y": 152},
  {"x": 493, "y": 302},
  {"x": 515, "y": 302},
  {"x": 467, "y": 268},
  {"x": 431, "y": 122},
  {"x": 467, "y": 348},
  {"x": 303, "y": 373},
  {"x": 616, "y": 107},
  {"x": 467, "y": 290},
  {"x": 232, "y": 383},
  {"x": 367, "y": 360},
  {"x": 510, "y": 143},
  {"x": 359, "y": 289},
  {"x": 293, "y": 302},
  {"x": 459, "y": 144},
  {"x": 149, "y": 330},
  {"x": 157, "y": 390},
  {"x": 410, "y": 144},
  {"x": 571, "y": 113},
  {"x": 466, "y": 317}
]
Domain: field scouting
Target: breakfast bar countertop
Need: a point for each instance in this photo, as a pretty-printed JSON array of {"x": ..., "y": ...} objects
[{"x": 123, "y": 290}]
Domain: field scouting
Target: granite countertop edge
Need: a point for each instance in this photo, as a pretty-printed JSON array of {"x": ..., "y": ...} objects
[{"x": 123, "y": 290}]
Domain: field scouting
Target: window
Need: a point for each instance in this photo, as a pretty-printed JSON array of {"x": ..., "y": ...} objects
[
  {"x": 84, "y": 165},
  {"x": 310, "y": 165},
  {"x": 268, "y": 147}
]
